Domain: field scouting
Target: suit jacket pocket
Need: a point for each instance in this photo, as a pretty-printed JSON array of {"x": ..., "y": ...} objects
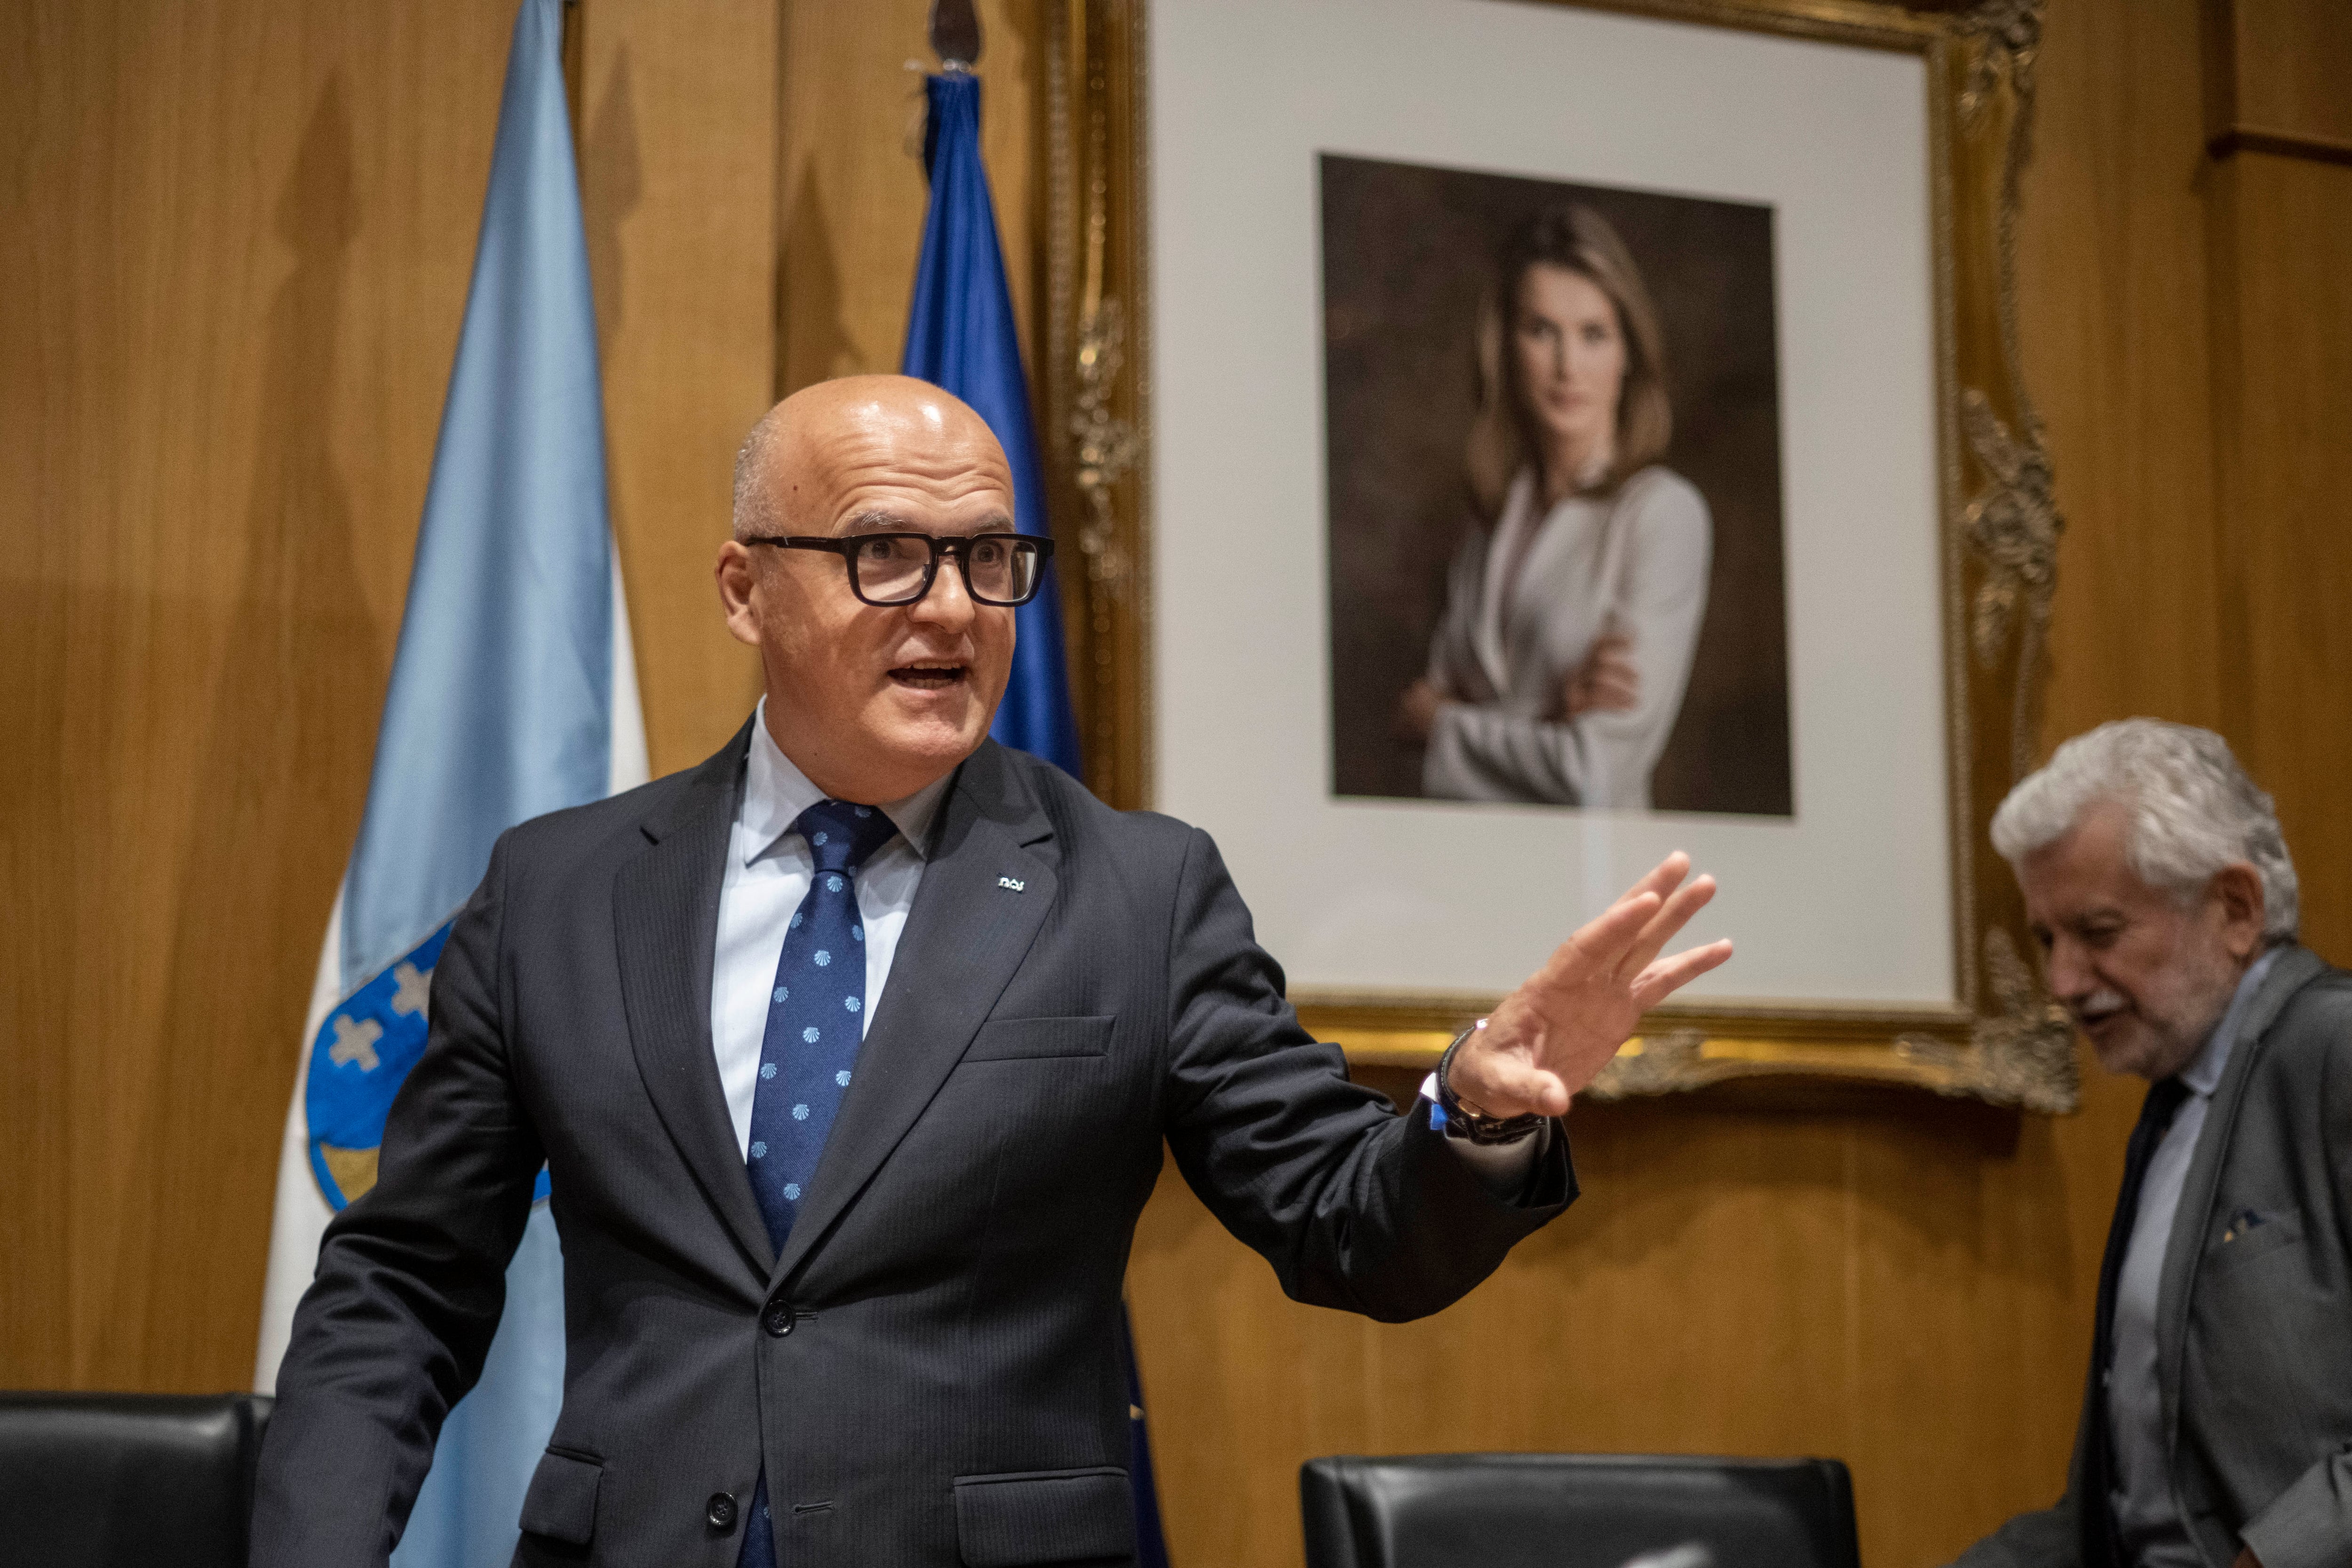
[
  {"x": 562, "y": 1501},
  {"x": 1017, "y": 1039},
  {"x": 2228, "y": 1256},
  {"x": 1045, "y": 1516}
]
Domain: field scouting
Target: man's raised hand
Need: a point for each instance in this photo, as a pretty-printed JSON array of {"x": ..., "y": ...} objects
[{"x": 1552, "y": 1035}]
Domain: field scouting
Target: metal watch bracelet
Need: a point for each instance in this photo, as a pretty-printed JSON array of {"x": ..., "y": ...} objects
[{"x": 1467, "y": 1123}]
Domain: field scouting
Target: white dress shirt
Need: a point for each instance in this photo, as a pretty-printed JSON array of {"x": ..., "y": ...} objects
[
  {"x": 768, "y": 870},
  {"x": 2147, "y": 1516}
]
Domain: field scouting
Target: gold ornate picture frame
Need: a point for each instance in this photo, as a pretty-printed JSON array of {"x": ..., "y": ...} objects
[{"x": 2003, "y": 1041}]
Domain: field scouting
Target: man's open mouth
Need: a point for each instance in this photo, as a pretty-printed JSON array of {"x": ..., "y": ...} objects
[{"x": 929, "y": 677}]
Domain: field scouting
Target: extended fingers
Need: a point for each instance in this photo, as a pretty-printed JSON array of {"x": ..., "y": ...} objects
[
  {"x": 1664, "y": 978},
  {"x": 1602, "y": 943},
  {"x": 1672, "y": 915},
  {"x": 1630, "y": 932},
  {"x": 1663, "y": 878}
]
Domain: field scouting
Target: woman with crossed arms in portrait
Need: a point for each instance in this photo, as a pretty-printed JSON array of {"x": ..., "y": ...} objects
[{"x": 1559, "y": 667}]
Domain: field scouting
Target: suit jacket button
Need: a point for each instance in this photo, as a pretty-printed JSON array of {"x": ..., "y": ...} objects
[
  {"x": 778, "y": 1318},
  {"x": 720, "y": 1511}
]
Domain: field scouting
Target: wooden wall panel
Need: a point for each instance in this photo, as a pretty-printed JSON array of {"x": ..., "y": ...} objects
[
  {"x": 2279, "y": 223},
  {"x": 237, "y": 239},
  {"x": 678, "y": 137},
  {"x": 2277, "y": 70},
  {"x": 2114, "y": 325},
  {"x": 1903, "y": 1284},
  {"x": 852, "y": 194},
  {"x": 2282, "y": 247}
]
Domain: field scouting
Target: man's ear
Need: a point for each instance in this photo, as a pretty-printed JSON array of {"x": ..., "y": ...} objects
[
  {"x": 736, "y": 574},
  {"x": 2237, "y": 888}
]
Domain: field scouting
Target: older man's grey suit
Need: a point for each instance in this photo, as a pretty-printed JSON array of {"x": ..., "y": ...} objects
[
  {"x": 2254, "y": 1316},
  {"x": 928, "y": 1371}
]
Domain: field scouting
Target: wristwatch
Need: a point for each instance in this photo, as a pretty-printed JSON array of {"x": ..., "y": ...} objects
[{"x": 1465, "y": 1121}]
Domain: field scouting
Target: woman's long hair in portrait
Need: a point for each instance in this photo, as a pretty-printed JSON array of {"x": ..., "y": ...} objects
[{"x": 1580, "y": 240}]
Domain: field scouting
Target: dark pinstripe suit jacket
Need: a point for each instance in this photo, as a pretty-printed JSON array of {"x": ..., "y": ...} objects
[{"x": 948, "y": 1388}]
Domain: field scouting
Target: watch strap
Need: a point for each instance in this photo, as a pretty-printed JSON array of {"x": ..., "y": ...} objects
[{"x": 1463, "y": 1120}]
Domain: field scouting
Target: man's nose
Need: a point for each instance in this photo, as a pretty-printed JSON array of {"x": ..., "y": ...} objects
[
  {"x": 948, "y": 605},
  {"x": 2070, "y": 976}
]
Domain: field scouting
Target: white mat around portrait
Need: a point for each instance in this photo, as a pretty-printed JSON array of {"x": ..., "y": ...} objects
[{"x": 1850, "y": 900}]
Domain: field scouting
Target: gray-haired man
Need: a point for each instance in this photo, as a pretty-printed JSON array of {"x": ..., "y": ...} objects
[{"x": 2217, "y": 1426}]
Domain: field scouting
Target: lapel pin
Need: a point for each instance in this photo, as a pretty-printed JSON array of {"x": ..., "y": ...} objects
[{"x": 1009, "y": 882}]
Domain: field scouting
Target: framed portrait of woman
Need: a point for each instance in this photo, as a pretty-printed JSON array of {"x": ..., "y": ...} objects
[
  {"x": 1554, "y": 593},
  {"x": 1513, "y": 440}
]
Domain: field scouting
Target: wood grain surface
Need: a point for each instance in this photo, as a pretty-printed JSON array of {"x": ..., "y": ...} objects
[
  {"x": 237, "y": 239},
  {"x": 851, "y": 194},
  {"x": 2275, "y": 75},
  {"x": 677, "y": 192},
  {"x": 2281, "y": 237}
]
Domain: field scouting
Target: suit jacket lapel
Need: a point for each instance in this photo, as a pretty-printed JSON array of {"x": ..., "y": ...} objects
[
  {"x": 965, "y": 936},
  {"x": 2192, "y": 1222},
  {"x": 666, "y": 924}
]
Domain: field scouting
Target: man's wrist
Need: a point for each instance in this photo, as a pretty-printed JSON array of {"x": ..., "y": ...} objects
[{"x": 1467, "y": 1120}]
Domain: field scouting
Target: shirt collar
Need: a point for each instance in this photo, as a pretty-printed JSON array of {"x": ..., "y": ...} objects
[
  {"x": 775, "y": 792},
  {"x": 2203, "y": 1073}
]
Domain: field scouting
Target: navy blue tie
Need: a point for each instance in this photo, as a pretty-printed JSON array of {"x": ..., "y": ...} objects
[{"x": 816, "y": 1019}]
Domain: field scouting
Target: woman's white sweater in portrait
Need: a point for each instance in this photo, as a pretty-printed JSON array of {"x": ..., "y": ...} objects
[{"x": 1526, "y": 599}]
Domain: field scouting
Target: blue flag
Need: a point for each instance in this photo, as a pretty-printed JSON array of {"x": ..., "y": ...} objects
[
  {"x": 513, "y": 693},
  {"x": 960, "y": 336}
]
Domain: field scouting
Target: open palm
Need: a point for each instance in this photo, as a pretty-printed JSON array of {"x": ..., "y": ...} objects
[{"x": 1551, "y": 1036}]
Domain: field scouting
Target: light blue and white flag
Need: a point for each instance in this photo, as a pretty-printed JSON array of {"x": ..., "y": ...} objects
[{"x": 513, "y": 693}]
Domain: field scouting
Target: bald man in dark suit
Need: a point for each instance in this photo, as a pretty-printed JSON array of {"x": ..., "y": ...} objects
[{"x": 851, "y": 1055}]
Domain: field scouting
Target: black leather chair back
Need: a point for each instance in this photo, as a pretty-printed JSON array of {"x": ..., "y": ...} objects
[
  {"x": 93, "y": 1480},
  {"x": 1577, "y": 1511}
]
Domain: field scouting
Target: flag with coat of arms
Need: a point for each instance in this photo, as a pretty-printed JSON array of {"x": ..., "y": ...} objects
[{"x": 513, "y": 693}]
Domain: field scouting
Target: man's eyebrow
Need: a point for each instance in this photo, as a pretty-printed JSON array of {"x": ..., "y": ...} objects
[{"x": 880, "y": 522}]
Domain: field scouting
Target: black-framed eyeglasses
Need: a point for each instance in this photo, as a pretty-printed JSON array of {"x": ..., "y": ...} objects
[{"x": 891, "y": 569}]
